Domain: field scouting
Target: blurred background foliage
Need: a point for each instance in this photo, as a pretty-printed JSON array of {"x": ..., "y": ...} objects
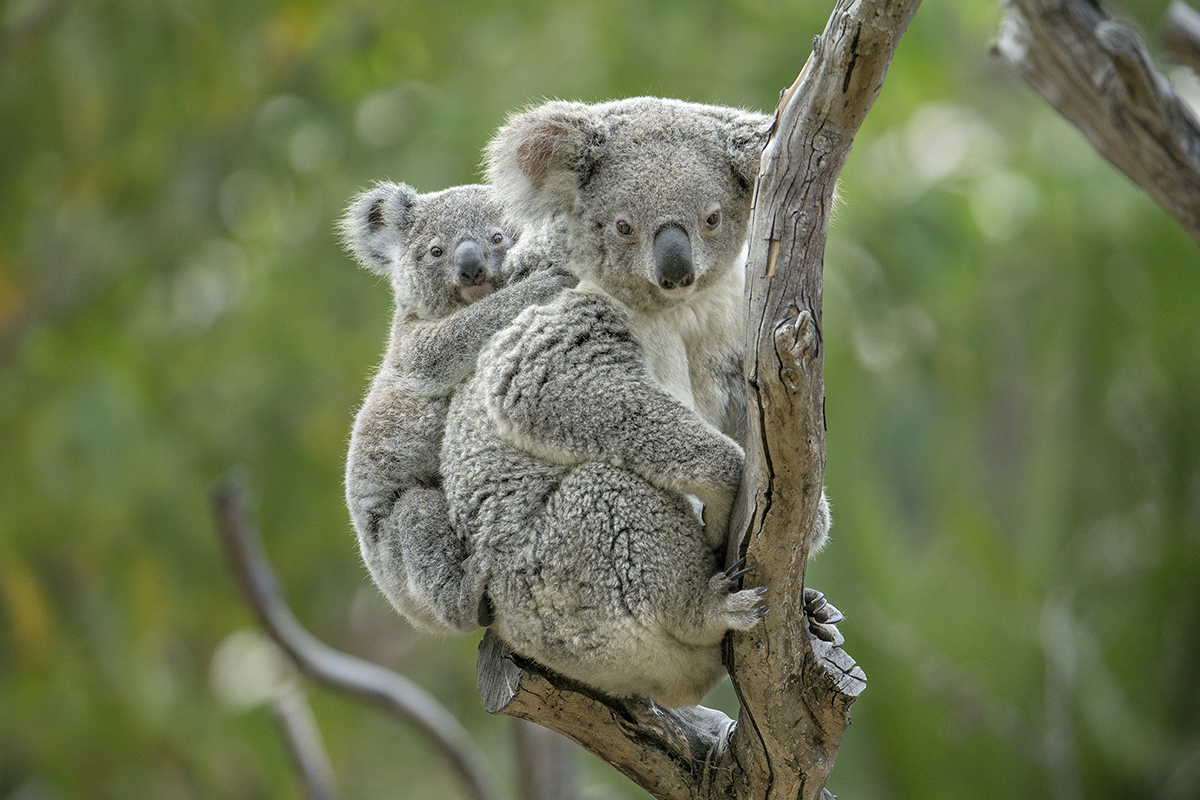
[{"x": 1013, "y": 388}]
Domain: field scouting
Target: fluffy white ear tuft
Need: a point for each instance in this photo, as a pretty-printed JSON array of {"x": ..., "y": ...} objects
[
  {"x": 539, "y": 158},
  {"x": 377, "y": 222}
]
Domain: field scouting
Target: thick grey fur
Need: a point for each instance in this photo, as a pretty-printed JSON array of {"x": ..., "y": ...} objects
[
  {"x": 444, "y": 314},
  {"x": 577, "y": 455}
]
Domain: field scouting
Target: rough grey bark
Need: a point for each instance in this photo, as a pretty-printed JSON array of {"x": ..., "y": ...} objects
[
  {"x": 795, "y": 690},
  {"x": 1099, "y": 76}
]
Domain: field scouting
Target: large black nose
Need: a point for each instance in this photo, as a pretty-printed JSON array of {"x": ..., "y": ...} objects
[
  {"x": 673, "y": 258},
  {"x": 472, "y": 270}
]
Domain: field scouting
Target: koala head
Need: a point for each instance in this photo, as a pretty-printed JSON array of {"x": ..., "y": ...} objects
[
  {"x": 656, "y": 192},
  {"x": 442, "y": 250}
]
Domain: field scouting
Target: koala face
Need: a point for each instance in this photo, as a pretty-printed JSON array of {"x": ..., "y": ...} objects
[
  {"x": 663, "y": 231},
  {"x": 656, "y": 192},
  {"x": 442, "y": 250}
]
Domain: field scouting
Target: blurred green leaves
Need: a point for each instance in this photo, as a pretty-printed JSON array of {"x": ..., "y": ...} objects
[{"x": 1012, "y": 379}]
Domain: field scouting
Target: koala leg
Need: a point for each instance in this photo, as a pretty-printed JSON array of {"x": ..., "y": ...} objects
[
  {"x": 617, "y": 590},
  {"x": 422, "y": 566}
]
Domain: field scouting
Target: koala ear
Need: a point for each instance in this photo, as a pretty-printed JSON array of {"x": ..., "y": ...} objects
[
  {"x": 540, "y": 158},
  {"x": 378, "y": 221},
  {"x": 747, "y": 134}
]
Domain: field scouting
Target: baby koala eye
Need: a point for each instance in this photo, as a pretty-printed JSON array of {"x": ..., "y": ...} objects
[
  {"x": 713, "y": 219},
  {"x": 497, "y": 237},
  {"x": 624, "y": 228},
  {"x": 435, "y": 251}
]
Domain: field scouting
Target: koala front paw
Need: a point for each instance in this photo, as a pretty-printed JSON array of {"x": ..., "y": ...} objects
[
  {"x": 823, "y": 617},
  {"x": 740, "y": 609}
]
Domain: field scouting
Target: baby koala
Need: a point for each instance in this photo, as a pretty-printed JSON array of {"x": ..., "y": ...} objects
[{"x": 458, "y": 277}]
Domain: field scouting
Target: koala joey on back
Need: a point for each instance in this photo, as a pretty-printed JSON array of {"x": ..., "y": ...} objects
[
  {"x": 572, "y": 455},
  {"x": 448, "y": 257}
]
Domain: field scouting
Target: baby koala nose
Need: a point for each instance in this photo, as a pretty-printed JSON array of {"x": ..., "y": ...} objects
[
  {"x": 673, "y": 258},
  {"x": 472, "y": 269}
]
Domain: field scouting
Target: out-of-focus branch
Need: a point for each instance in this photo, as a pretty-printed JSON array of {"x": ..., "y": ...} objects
[
  {"x": 295, "y": 719},
  {"x": 1181, "y": 34},
  {"x": 27, "y": 25},
  {"x": 545, "y": 763},
  {"x": 382, "y": 687},
  {"x": 1099, "y": 76}
]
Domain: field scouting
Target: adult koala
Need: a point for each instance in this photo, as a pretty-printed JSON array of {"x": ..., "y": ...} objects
[
  {"x": 456, "y": 282},
  {"x": 572, "y": 457}
]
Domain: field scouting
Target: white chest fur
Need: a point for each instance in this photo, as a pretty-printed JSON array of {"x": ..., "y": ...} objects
[{"x": 687, "y": 345}]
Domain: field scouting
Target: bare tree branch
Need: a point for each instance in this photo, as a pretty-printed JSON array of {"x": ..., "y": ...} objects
[
  {"x": 1098, "y": 74},
  {"x": 795, "y": 691},
  {"x": 1181, "y": 34},
  {"x": 382, "y": 687},
  {"x": 295, "y": 719}
]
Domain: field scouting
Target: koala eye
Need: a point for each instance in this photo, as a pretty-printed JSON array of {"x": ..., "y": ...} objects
[
  {"x": 497, "y": 237},
  {"x": 624, "y": 228},
  {"x": 713, "y": 219},
  {"x": 435, "y": 251}
]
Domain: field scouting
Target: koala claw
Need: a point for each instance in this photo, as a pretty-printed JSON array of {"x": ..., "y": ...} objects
[
  {"x": 733, "y": 573},
  {"x": 820, "y": 609},
  {"x": 743, "y": 610},
  {"x": 827, "y": 633},
  {"x": 738, "y": 608},
  {"x": 823, "y": 617}
]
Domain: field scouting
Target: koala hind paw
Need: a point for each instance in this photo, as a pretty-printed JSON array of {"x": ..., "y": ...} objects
[{"x": 823, "y": 617}]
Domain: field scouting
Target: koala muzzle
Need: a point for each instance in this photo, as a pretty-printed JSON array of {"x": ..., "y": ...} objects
[
  {"x": 673, "y": 258},
  {"x": 472, "y": 269}
]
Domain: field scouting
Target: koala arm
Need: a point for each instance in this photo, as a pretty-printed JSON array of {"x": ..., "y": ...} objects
[
  {"x": 568, "y": 383},
  {"x": 431, "y": 358}
]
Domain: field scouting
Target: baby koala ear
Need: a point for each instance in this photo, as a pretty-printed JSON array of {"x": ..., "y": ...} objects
[
  {"x": 540, "y": 157},
  {"x": 378, "y": 222}
]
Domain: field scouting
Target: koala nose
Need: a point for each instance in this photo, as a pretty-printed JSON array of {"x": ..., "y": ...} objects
[
  {"x": 673, "y": 258},
  {"x": 472, "y": 270}
]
